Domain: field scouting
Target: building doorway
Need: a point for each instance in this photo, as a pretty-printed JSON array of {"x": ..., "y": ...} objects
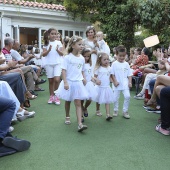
[{"x": 28, "y": 35}]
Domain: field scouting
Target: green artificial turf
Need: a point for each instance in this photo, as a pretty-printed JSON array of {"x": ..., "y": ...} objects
[{"x": 119, "y": 144}]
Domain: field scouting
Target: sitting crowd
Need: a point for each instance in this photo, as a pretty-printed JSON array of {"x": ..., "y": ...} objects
[
  {"x": 155, "y": 82},
  {"x": 19, "y": 81}
]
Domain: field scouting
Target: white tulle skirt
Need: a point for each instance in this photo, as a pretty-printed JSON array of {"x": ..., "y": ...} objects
[
  {"x": 92, "y": 91},
  {"x": 76, "y": 90},
  {"x": 105, "y": 95}
]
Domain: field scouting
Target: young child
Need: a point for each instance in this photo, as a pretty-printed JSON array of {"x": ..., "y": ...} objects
[
  {"x": 105, "y": 93},
  {"x": 122, "y": 80},
  {"x": 90, "y": 81},
  {"x": 72, "y": 88},
  {"x": 52, "y": 62},
  {"x": 103, "y": 47}
]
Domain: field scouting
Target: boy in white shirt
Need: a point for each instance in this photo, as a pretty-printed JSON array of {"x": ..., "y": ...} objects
[{"x": 122, "y": 80}]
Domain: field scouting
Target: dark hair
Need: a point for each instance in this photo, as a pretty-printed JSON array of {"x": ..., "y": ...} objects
[
  {"x": 146, "y": 51},
  {"x": 37, "y": 51},
  {"x": 86, "y": 50},
  {"x": 90, "y": 28},
  {"x": 46, "y": 35},
  {"x": 72, "y": 41},
  {"x": 120, "y": 48},
  {"x": 139, "y": 50},
  {"x": 30, "y": 47}
]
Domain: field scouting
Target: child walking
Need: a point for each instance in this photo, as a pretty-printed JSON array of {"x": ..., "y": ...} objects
[
  {"x": 122, "y": 80},
  {"x": 52, "y": 62},
  {"x": 90, "y": 81},
  {"x": 72, "y": 86},
  {"x": 105, "y": 93}
]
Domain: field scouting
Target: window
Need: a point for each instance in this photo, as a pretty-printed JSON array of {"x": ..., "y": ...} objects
[
  {"x": 77, "y": 33},
  {"x": 66, "y": 33},
  {"x": 60, "y": 31}
]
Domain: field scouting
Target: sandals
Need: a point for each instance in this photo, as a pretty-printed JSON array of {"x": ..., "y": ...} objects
[
  {"x": 108, "y": 117},
  {"x": 32, "y": 97},
  {"x": 40, "y": 82},
  {"x": 98, "y": 113},
  {"x": 81, "y": 127},
  {"x": 67, "y": 121},
  {"x": 39, "y": 89},
  {"x": 163, "y": 131}
]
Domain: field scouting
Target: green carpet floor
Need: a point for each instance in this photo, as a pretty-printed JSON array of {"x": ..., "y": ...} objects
[{"x": 119, "y": 144}]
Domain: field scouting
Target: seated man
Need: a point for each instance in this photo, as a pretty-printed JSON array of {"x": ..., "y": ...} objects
[
  {"x": 9, "y": 144},
  {"x": 29, "y": 74}
]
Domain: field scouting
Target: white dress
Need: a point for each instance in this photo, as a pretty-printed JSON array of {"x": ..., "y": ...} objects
[
  {"x": 74, "y": 67},
  {"x": 6, "y": 91},
  {"x": 91, "y": 45},
  {"x": 105, "y": 93},
  {"x": 89, "y": 85}
]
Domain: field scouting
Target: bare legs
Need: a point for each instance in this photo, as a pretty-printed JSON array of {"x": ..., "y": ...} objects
[
  {"x": 161, "y": 82},
  {"x": 53, "y": 84}
]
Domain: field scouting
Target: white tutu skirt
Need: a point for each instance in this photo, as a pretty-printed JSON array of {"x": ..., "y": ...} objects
[
  {"x": 105, "y": 95},
  {"x": 92, "y": 91},
  {"x": 76, "y": 91}
]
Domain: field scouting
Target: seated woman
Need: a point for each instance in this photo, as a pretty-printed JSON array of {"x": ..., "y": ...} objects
[
  {"x": 162, "y": 90},
  {"x": 141, "y": 60},
  {"x": 163, "y": 68}
]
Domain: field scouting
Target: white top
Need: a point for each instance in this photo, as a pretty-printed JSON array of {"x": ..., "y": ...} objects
[
  {"x": 89, "y": 44},
  {"x": 74, "y": 67},
  {"x": 103, "y": 74},
  {"x": 53, "y": 57},
  {"x": 88, "y": 72},
  {"x": 122, "y": 72},
  {"x": 15, "y": 55},
  {"x": 103, "y": 47}
]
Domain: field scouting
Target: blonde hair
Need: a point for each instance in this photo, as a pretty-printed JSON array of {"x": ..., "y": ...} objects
[
  {"x": 86, "y": 50},
  {"x": 72, "y": 41},
  {"x": 101, "y": 33},
  {"x": 98, "y": 62}
]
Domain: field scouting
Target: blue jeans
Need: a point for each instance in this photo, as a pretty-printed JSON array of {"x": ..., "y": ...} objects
[
  {"x": 151, "y": 85},
  {"x": 7, "y": 109}
]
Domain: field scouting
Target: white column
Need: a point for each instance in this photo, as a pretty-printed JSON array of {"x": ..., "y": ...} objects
[
  {"x": 39, "y": 38},
  {"x": 18, "y": 33}
]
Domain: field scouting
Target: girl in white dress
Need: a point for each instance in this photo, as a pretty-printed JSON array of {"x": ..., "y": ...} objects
[
  {"x": 105, "y": 93},
  {"x": 90, "y": 81},
  {"x": 72, "y": 86},
  {"x": 52, "y": 62}
]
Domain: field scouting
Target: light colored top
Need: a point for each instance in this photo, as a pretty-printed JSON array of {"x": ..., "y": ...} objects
[
  {"x": 103, "y": 47},
  {"x": 121, "y": 71},
  {"x": 74, "y": 67},
  {"x": 89, "y": 44},
  {"x": 53, "y": 57},
  {"x": 15, "y": 55},
  {"x": 88, "y": 72},
  {"x": 103, "y": 74}
]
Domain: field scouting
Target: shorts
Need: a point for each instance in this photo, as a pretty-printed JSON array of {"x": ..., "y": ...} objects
[{"x": 53, "y": 70}]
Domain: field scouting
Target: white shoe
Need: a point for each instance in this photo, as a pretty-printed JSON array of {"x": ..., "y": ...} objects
[
  {"x": 115, "y": 113},
  {"x": 81, "y": 127},
  {"x": 11, "y": 129},
  {"x": 126, "y": 115}
]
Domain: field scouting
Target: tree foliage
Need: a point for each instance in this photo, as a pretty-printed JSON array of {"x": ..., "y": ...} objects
[{"x": 119, "y": 18}]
